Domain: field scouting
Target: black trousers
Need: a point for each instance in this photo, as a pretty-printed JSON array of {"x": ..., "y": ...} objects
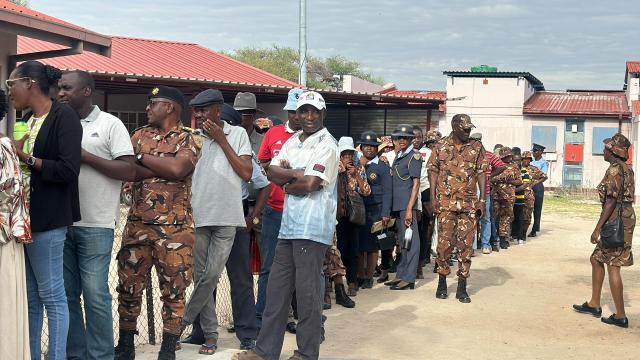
[
  {"x": 386, "y": 259},
  {"x": 518, "y": 231},
  {"x": 347, "y": 235},
  {"x": 538, "y": 192}
]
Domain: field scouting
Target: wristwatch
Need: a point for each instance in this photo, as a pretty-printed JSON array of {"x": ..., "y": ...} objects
[
  {"x": 31, "y": 161},
  {"x": 139, "y": 158}
]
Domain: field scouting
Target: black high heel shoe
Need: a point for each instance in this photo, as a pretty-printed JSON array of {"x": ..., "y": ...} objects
[
  {"x": 383, "y": 279},
  {"x": 392, "y": 282},
  {"x": 406, "y": 286}
]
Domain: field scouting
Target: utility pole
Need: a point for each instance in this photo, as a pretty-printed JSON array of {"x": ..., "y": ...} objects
[{"x": 302, "y": 48}]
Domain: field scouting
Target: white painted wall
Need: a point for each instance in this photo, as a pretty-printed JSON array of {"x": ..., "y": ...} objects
[
  {"x": 352, "y": 83},
  {"x": 633, "y": 89}
]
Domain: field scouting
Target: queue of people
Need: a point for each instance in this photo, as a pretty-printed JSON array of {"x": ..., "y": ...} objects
[{"x": 323, "y": 211}]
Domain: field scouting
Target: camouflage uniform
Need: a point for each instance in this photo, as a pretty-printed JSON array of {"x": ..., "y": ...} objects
[
  {"x": 503, "y": 194},
  {"x": 611, "y": 187},
  {"x": 535, "y": 175},
  {"x": 159, "y": 231},
  {"x": 456, "y": 199}
]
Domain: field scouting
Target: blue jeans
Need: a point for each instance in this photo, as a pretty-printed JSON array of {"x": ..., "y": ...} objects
[
  {"x": 87, "y": 254},
  {"x": 271, "y": 220},
  {"x": 45, "y": 286},
  {"x": 486, "y": 224}
]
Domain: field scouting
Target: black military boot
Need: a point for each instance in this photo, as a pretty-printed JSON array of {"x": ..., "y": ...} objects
[
  {"x": 441, "y": 292},
  {"x": 342, "y": 298},
  {"x": 168, "y": 347},
  {"x": 125, "y": 350},
  {"x": 461, "y": 293},
  {"x": 504, "y": 243}
]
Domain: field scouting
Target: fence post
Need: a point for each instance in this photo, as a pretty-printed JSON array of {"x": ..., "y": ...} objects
[{"x": 151, "y": 323}]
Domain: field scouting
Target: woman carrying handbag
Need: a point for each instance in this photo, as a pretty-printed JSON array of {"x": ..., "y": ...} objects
[{"x": 613, "y": 232}]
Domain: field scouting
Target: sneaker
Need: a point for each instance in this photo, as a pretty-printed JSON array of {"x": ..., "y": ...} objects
[
  {"x": 247, "y": 344},
  {"x": 486, "y": 251},
  {"x": 521, "y": 242}
]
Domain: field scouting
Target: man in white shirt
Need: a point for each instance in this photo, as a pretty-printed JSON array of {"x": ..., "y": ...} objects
[
  {"x": 424, "y": 220},
  {"x": 107, "y": 160},
  {"x": 307, "y": 170}
]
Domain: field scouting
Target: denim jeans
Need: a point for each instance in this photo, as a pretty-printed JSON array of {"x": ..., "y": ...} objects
[
  {"x": 486, "y": 224},
  {"x": 271, "y": 220},
  {"x": 45, "y": 286},
  {"x": 87, "y": 254}
]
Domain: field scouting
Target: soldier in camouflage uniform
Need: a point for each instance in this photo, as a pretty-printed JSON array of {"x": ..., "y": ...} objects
[
  {"x": 159, "y": 229},
  {"x": 457, "y": 171},
  {"x": 503, "y": 195},
  {"x": 536, "y": 176}
]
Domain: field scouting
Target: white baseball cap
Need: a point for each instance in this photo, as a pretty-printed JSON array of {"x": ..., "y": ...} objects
[{"x": 311, "y": 98}]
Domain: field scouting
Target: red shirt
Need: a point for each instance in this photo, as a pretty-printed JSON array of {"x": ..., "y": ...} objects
[
  {"x": 271, "y": 145},
  {"x": 494, "y": 163}
]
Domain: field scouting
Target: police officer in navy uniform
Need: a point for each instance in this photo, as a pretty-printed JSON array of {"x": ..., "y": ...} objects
[
  {"x": 405, "y": 173},
  {"x": 378, "y": 176}
]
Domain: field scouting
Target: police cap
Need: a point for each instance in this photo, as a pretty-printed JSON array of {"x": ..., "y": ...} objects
[
  {"x": 403, "y": 131},
  {"x": 369, "y": 138}
]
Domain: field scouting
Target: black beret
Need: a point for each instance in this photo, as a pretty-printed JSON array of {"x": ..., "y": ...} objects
[
  {"x": 167, "y": 92},
  {"x": 230, "y": 115},
  {"x": 207, "y": 97}
]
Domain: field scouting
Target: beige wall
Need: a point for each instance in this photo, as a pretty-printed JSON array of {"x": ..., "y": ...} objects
[{"x": 8, "y": 46}]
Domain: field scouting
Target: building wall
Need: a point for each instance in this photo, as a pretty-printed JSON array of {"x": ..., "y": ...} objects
[
  {"x": 633, "y": 89},
  {"x": 352, "y": 83},
  {"x": 494, "y": 104},
  {"x": 8, "y": 46}
]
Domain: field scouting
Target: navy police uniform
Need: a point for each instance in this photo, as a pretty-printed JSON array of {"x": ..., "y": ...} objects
[{"x": 406, "y": 167}]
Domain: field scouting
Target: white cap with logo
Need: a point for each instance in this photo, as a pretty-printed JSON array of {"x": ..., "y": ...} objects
[{"x": 311, "y": 98}]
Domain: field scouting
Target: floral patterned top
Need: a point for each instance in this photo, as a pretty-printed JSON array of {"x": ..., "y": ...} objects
[{"x": 14, "y": 212}]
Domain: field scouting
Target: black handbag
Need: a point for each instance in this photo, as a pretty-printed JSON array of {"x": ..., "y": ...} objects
[
  {"x": 355, "y": 209},
  {"x": 386, "y": 239},
  {"x": 612, "y": 233}
]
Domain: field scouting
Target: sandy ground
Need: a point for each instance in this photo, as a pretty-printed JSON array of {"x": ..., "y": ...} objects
[{"x": 521, "y": 309}]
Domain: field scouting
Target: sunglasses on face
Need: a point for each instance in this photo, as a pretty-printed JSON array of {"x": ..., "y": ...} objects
[
  {"x": 150, "y": 103},
  {"x": 11, "y": 82}
]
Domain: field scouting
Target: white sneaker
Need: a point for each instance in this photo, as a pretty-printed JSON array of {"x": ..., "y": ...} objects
[
  {"x": 521, "y": 242},
  {"x": 486, "y": 251}
]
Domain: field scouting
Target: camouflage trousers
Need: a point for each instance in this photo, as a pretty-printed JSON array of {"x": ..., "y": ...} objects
[
  {"x": 455, "y": 235},
  {"x": 503, "y": 213},
  {"x": 332, "y": 265},
  {"x": 169, "y": 249}
]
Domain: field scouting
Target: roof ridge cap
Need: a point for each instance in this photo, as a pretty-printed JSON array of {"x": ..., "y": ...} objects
[{"x": 153, "y": 40}]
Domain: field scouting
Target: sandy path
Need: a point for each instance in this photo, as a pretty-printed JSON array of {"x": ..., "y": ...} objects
[{"x": 521, "y": 309}]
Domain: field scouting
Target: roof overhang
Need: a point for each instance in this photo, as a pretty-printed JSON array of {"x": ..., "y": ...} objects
[
  {"x": 60, "y": 33},
  {"x": 534, "y": 81},
  {"x": 574, "y": 114}
]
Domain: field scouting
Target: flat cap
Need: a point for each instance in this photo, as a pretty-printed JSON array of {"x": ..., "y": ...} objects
[
  {"x": 167, "y": 92},
  {"x": 207, "y": 97},
  {"x": 230, "y": 115}
]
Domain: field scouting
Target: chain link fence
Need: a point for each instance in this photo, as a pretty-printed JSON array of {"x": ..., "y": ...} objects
[{"x": 150, "y": 319}]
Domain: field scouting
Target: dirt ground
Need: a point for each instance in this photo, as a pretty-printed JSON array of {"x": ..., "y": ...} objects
[{"x": 520, "y": 309}]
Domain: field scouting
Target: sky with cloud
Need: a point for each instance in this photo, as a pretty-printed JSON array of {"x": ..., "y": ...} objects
[{"x": 568, "y": 44}]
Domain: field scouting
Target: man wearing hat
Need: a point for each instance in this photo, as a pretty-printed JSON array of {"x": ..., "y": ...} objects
[
  {"x": 535, "y": 177},
  {"x": 160, "y": 226},
  {"x": 307, "y": 169},
  {"x": 378, "y": 176},
  {"x": 245, "y": 103},
  {"x": 457, "y": 173},
  {"x": 217, "y": 208},
  {"x": 273, "y": 141},
  {"x": 405, "y": 188},
  {"x": 503, "y": 194},
  {"x": 538, "y": 190}
]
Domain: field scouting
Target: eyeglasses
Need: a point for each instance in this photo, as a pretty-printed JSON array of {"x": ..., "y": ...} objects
[
  {"x": 11, "y": 82},
  {"x": 150, "y": 103}
]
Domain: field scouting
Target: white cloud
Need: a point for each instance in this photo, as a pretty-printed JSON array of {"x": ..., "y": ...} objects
[{"x": 497, "y": 10}]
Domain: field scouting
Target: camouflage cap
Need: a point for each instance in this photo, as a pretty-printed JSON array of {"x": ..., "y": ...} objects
[
  {"x": 465, "y": 121},
  {"x": 619, "y": 145},
  {"x": 504, "y": 151},
  {"x": 527, "y": 154},
  {"x": 433, "y": 136}
]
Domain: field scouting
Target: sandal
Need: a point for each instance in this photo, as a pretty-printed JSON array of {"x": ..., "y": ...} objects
[{"x": 208, "y": 349}]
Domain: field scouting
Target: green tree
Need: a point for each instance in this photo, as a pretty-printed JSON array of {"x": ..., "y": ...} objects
[
  {"x": 24, "y": 3},
  {"x": 284, "y": 62}
]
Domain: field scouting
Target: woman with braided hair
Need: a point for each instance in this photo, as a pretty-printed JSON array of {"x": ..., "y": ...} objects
[{"x": 50, "y": 153}]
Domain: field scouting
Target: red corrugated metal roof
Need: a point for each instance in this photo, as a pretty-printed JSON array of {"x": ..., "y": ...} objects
[
  {"x": 635, "y": 106},
  {"x": 633, "y": 67},
  {"x": 605, "y": 104},
  {"x": 29, "y": 12},
  {"x": 439, "y": 95},
  {"x": 159, "y": 59}
]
